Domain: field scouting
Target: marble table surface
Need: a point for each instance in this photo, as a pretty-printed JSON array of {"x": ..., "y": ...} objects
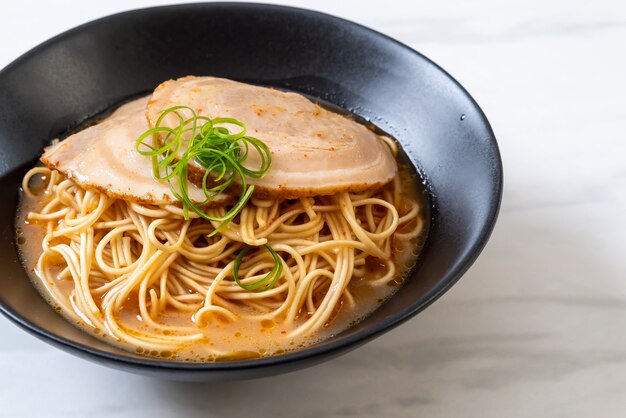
[{"x": 536, "y": 328}]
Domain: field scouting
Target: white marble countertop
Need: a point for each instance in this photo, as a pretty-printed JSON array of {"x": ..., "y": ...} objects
[{"x": 536, "y": 328}]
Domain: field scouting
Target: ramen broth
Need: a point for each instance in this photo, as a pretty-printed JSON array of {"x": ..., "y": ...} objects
[{"x": 243, "y": 338}]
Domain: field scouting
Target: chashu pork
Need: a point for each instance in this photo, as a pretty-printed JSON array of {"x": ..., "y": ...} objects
[
  {"x": 314, "y": 151},
  {"x": 103, "y": 157}
]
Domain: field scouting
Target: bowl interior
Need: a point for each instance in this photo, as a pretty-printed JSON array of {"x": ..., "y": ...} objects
[{"x": 78, "y": 74}]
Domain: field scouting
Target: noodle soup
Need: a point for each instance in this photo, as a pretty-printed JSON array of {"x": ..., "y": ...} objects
[{"x": 162, "y": 280}]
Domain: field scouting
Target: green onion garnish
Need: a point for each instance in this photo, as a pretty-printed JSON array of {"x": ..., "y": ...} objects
[
  {"x": 222, "y": 154},
  {"x": 218, "y": 150},
  {"x": 266, "y": 282}
]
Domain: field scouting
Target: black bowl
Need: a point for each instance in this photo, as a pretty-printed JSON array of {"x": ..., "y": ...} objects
[{"x": 87, "y": 69}]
